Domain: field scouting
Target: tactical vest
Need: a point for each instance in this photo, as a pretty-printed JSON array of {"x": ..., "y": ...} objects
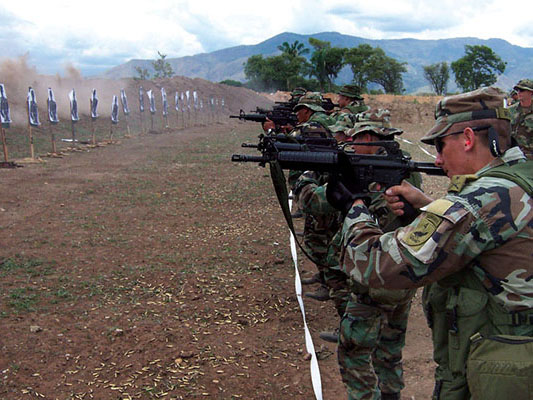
[{"x": 459, "y": 307}]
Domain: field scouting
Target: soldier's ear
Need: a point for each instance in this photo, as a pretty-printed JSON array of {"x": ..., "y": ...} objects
[{"x": 469, "y": 138}]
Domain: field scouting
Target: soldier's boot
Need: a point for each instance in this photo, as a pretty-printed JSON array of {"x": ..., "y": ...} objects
[
  {"x": 330, "y": 336},
  {"x": 314, "y": 279},
  {"x": 390, "y": 396},
  {"x": 321, "y": 294}
]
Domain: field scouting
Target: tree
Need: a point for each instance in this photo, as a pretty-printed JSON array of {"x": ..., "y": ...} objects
[
  {"x": 296, "y": 49},
  {"x": 386, "y": 71},
  {"x": 437, "y": 75},
  {"x": 297, "y": 64},
  {"x": 326, "y": 62},
  {"x": 359, "y": 60},
  {"x": 231, "y": 82},
  {"x": 142, "y": 74},
  {"x": 271, "y": 73},
  {"x": 479, "y": 67},
  {"x": 162, "y": 68}
]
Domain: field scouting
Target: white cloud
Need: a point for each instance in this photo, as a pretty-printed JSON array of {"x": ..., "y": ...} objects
[{"x": 124, "y": 29}]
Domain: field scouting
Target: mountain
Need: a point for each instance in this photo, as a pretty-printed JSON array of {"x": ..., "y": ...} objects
[{"x": 229, "y": 63}]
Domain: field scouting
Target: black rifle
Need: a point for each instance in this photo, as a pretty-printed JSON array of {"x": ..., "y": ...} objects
[
  {"x": 280, "y": 118},
  {"x": 325, "y": 155},
  {"x": 322, "y": 154}
]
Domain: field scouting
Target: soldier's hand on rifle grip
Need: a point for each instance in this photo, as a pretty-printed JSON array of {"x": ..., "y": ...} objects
[
  {"x": 340, "y": 197},
  {"x": 399, "y": 196}
]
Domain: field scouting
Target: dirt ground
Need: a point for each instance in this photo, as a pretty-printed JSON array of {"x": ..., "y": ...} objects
[{"x": 156, "y": 268}]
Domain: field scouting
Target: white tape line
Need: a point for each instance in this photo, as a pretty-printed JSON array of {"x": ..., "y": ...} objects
[
  {"x": 420, "y": 147},
  {"x": 315, "y": 371}
]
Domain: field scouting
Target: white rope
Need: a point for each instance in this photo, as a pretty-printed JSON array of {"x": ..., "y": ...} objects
[{"x": 315, "y": 371}]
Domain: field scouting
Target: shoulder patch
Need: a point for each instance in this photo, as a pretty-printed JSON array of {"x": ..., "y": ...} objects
[
  {"x": 423, "y": 230},
  {"x": 458, "y": 182}
]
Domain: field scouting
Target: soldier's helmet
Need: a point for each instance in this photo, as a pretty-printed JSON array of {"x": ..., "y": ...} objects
[
  {"x": 483, "y": 103},
  {"x": 524, "y": 84},
  {"x": 352, "y": 91},
  {"x": 311, "y": 100},
  {"x": 376, "y": 122}
]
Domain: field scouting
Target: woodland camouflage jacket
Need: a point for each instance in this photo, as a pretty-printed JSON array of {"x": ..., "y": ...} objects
[
  {"x": 483, "y": 223},
  {"x": 522, "y": 124}
]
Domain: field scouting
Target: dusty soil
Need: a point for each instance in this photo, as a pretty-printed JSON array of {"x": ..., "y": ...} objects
[{"x": 156, "y": 268}]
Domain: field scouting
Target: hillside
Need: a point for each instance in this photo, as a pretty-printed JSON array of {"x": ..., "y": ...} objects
[{"x": 228, "y": 63}]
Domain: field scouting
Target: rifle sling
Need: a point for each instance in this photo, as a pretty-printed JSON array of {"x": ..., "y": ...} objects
[{"x": 280, "y": 186}]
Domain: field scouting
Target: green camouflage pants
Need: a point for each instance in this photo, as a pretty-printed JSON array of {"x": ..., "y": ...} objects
[
  {"x": 370, "y": 349},
  {"x": 339, "y": 290}
]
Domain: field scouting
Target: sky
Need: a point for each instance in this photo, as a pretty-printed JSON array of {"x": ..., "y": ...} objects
[{"x": 95, "y": 35}]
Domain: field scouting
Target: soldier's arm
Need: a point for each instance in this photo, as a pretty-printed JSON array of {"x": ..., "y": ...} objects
[
  {"x": 311, "y": 194},
  {"x": 431, "y": 247}
]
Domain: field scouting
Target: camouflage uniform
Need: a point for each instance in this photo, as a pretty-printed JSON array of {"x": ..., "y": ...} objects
[
  {"x": 473, "y": 246},
  {"x": 345, "y": 117},
  {"x": 318, "y": 228},
  {"x": 373, "y": 325},
  {"x": 522, "y": 121}
]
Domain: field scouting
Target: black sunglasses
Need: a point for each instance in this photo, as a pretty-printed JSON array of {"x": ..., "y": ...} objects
[{"x": 439, "y": 143}]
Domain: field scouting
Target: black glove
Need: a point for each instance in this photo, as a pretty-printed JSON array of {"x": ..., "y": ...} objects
[{"x": 342, "y": 198}]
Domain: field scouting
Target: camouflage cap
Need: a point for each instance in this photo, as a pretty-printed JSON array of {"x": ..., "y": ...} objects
[
  {"x": 299, "y": 91},
  {"x": 483, "y": 103},
  {"x": 311, "y": 100},
  {"x": 524, "y": 84},
  {"x": 351, "y": 91},
  {"x": 376, "y": 122}
]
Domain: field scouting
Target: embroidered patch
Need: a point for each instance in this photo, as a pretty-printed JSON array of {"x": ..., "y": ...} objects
[{"x": 423, "y": 230}]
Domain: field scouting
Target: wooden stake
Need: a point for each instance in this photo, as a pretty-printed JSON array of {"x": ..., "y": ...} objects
[
  {"x": 142, "y": 122},
  {"x": 73, "y": 134},
  {"x": 4, "y": 144},
  {"x": 32, "y": 151},
  {"x": 127, "y": 125},
  {"x": 53, "y": 138},
  {"x": 93, "y": 140}
]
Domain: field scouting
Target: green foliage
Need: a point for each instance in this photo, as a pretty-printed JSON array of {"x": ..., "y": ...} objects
[
  {"x": 358, "y": 58},
  {"x": 30, "y": 266},
  {"x": 23, "y": 299},
  {"x": 372, "y": 65},
  {"x": 296, "y": 49},
  {"x": 479, "y": 67},
  {"x": 386, "y": 71},
  {"x": 326, "y": 62},
  {"x": 231, "y": 82},
  {"x": 288, "y": 70},
  {"x": 437, "y": 75},
  {"x": 142, "y": 74},
  {"x": 162, "y": 68},
  {"x": 272, "y": 73}
]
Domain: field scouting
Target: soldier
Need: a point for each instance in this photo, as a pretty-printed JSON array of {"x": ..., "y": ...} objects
[
  {"x": 374, "y": 322},
  {"x": 522, "y": 117},
  {"x": 473, "y": 245},
  {"x": 296, "y": 94},
  {"x": 318, "y": 229},
  {"x": 513, "y": 97},
  {"x": 351, "y": 103}
]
